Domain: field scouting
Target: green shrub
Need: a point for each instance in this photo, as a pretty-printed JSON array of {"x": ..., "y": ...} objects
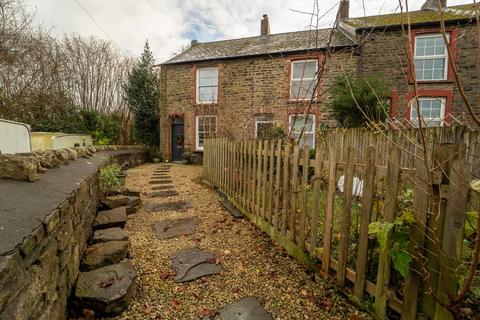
[
  {"x": 360, "y": 100},
  {"x": 109, "y": 178}
]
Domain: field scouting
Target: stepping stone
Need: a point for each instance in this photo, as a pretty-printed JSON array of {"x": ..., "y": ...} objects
[
  {"x": 133, "y": 205},
  {"x": 231, "y": 208},
  {"x": 194, "y": 263},
  {"x": 161, "y": 181},
  {"x": 164, "y": 187},
  {"x": 111, "y": 234},
  {"x": 111, "y": 218},
  {"x": 160, "y": 176},
  {"x": 103, "y": 254},
  {"x": 164, "y": 193},
  {"x": 169, "y": 206},
  {"x": 115, "y": 201},
  {"x": 133, "y": 201},
  {"x": 175, "y": 228},
  {"x": 107, "y": 290},
  {"x": 245, "y": 309}
]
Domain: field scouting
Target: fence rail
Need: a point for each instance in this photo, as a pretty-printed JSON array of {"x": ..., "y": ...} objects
[{"x": 296, "y": 197}]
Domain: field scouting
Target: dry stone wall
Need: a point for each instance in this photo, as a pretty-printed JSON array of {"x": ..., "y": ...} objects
[{"x": 37, "y": 277}]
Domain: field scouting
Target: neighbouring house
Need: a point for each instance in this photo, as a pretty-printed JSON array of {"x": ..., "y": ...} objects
[{"x": 243, "y": 88}]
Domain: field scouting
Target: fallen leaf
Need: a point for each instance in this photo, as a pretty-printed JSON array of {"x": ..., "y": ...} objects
[
  {"x": 176, "y": 303},
  {"x": 88, "y": 314},
  {"x": 147, "y": 309},
  {"x": 106, "y": 282},
  {"x": 204, "y": 312}
]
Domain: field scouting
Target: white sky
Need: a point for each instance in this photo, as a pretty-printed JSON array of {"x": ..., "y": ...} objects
[{"x": 169, "y": 24}]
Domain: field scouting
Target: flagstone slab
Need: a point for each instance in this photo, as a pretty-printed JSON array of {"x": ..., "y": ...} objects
[
  {"x": 161, "y": 182},
  {"x": 175, "y": 228},
  {"x": 169, "y": 206},
  {"x": 231, "y": 208},
  {"x": 163, "y": 187},
  {"x": 245, "y": 309},
  {"x": 110, "y": 234},
  {"x": 116, "y": 201},
  {"x": 133, "y": 201},
  {"x": 194, "y": 263},
  {"x": 108, "y": 290},
  {"x": 103, "y": 254},
  {"x": 110, "y": 219},
  {"x": 164, "y": 193}
]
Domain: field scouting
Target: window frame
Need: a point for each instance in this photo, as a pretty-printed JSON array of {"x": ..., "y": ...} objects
[
  {"x": 197, "y": 84},
  {"x": 443, "y": 108},
  {"x": 257, "y": 121},
  {"x": 446, "y": 63},
  {"x": 197, "y": 133},
  {"x": 292, "y": 63},
  {"x": 314, "y": 126}
]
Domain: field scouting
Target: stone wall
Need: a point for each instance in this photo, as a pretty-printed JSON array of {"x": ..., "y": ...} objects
[
  {"x": 382, "y": 53},
  {"x": 37, "y": 276},
  {"x": 248, "y": 87}
]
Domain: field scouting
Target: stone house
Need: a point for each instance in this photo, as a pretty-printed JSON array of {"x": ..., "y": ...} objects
[{"x": 244, "y": 87}]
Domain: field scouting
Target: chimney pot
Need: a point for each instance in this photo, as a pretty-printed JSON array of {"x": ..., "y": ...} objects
[
  {"x": 265, "y": 26},
  {"x": 193, "y": 42},
  {"x": 344, "y": 10}
]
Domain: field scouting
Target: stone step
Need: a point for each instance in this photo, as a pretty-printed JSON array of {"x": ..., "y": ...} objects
[
  {"x": 133, "y": 205},
  {"x": 116, "y": 201},
  {"x": 110, "y": 234},
  {"x": 175, "y": 228},
  {"x": 110, "y": 218},
  {"x": 162, "y": 194},
  {"x": 103, "y": 254},
  {"x": 108, "y": 290},
  {"x": 169, "y": 206}
]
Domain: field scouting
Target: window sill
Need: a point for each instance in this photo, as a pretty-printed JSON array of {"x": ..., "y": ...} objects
[
  {"x": 206, "y": 103},
  {"x": 432, "y": 81},
  {"x": 289, "y": 100}
]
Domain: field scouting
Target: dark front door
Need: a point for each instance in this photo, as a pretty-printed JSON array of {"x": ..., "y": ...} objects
[{"x": 178, "y": 138}]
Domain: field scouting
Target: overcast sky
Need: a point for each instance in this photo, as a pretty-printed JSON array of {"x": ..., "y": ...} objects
[{"x": 169, "y": 24}]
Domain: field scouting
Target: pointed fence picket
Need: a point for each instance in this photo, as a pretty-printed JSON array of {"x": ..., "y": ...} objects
[{"x": 292, "y": 195}]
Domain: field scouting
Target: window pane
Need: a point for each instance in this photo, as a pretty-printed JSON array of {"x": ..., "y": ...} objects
[
  {"x": 207, "y": 94},
  {"x": 304, "y": 69},
  {"x": 302, "y": 89},
  {"x": 298, "y": 123},
  {"x": 431, "y": 111},
  {"x": 207, "y": 85}
]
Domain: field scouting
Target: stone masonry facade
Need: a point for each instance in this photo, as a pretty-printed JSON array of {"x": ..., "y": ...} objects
[
  {"x": 36, "y": 279},
  {"x": 383, "y": 54},
  {"x": 248, "y": 88}
]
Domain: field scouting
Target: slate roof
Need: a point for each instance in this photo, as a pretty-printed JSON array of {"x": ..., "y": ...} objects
[
  {"x": 452, "y": 13},
  {"x": 263, "y": 45}
]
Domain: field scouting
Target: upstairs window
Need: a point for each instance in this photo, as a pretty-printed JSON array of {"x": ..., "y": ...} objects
[
  {"x": 298, "y": 123},
  {"x": 432, "y": 111},
  {"x": 206, "y": 127},
  {"x": 303, "y": 79},
  {"x": 207, "y": 85},
  {"x": 431, "y": 57}
]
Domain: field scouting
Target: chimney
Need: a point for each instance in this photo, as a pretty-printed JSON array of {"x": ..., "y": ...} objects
[
  {"x": 265, "y": 26},
  {"x": 432, "y": 5},
  {"x": 193, "y": 42},
  {"x": 344, "y": 10}
]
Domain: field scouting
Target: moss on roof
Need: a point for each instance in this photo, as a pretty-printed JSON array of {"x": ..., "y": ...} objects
[{"x": 460, "y": 12}]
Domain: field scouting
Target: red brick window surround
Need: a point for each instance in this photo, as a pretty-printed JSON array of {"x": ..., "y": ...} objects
[
  {"x": 302, "y": 77},
  {"x": 431, "y": 56},
  {"x": 435, "y": 107}
]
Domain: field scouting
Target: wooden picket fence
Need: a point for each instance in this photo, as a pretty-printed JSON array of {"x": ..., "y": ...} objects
[{"x": 292, "y": 194}]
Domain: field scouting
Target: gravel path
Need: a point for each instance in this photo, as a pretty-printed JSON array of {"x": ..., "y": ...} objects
[{"x": 253, "y": 264}]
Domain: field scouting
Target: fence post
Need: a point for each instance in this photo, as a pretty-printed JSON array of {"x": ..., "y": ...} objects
[
  {"x": 345, "y": 219},
  {"x": 270, "y": 182},
  {"x": 384, "y": 263},
  {"x": 303, "y": 199},
  {"x": 316, "y": 198},
  {"x": 294, "y": 191},
  {"x": 417, "y": 239},
  {"x": 285, "y": 188},
  {"x": 367, "y": 202},
  {"x": 329, "y": 209}
]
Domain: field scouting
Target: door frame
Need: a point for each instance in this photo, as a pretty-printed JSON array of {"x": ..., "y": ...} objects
[{"x": 176, "y": 120}]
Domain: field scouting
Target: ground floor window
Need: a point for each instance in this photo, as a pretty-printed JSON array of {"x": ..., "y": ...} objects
[
  {"x": 299, "y": 122},
  {"x": 206, "y": 127},
  {"x": 432, "y": 111},
  {"x": 264, "y": 126}
]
